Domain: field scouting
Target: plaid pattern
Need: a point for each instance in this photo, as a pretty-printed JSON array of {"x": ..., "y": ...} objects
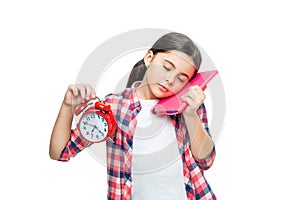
[{"x": 126, "y": 106}]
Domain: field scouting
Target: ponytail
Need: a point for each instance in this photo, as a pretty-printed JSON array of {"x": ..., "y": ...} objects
[{"x": 137, "y": 73}]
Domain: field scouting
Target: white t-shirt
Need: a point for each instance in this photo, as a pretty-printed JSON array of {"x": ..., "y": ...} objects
[{"x": 157, "y": 168}]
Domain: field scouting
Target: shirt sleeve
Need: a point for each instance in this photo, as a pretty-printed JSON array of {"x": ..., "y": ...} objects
[
  {"x": 207, "y": 162},
  {"x": 75, "y": 145}
]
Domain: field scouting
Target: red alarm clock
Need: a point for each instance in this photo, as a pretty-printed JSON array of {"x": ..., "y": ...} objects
[{"x": 97, "y": 122}]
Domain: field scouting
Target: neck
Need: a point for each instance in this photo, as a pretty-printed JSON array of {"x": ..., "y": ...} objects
[{"x": 143, "y": 92}]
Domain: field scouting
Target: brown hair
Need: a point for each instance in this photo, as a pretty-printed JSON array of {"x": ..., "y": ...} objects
[{"x": 168, "y": 42}]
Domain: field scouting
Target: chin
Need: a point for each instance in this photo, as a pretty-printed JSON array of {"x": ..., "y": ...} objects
[{"x": 161, "y": 95}]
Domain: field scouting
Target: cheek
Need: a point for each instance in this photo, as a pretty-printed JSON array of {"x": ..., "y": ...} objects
[
  {"x": 176, "y": 88},
  {"x": 155, "y": 69},
  {"x": 154, "y": 73}
]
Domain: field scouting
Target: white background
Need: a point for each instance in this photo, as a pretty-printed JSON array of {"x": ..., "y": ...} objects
[{"x": 254, "y": 45}]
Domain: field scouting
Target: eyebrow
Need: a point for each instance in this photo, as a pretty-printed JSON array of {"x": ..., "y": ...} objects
[{"x": 172, "y": 64}]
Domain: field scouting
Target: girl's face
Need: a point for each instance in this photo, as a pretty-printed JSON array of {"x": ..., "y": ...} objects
[{"x": 167, "y": 73}]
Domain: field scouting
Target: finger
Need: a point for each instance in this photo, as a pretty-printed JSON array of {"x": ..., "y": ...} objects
[
  {"x": 82, "y": 92},
  {"x": 93, "y": 93},
  {"x": 189, "y": 101},
  {"x": 72, "y": 90},
  {"x": 88, "y": 89},
  {"x": 190, "y": 94},
  {"x": 197, "y": 94},
  {"x": 193, "y": 99},
  {"x": 76, "y": 91},
  {"x": 196, "y": 88}
]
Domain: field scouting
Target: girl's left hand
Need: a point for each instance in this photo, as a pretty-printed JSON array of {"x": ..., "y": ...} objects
[{"x": 194, "y": 97}]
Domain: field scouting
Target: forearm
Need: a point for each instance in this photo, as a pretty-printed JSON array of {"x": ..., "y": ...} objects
[
  {"x": 201, "y": 143},
  {"x": 61, "y": 131}
]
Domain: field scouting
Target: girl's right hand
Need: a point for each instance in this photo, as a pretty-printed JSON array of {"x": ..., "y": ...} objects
[{"x": 78, "y": 93}]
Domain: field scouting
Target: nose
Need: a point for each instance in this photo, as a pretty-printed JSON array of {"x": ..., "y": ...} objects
[{"x": 170, "y": 77}]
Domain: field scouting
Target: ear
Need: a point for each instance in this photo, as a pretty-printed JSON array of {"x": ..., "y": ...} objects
[{"x": 148, "y": 58}]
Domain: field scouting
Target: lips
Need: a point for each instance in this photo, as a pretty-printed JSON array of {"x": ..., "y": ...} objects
[{"x": 163, "y": 88}]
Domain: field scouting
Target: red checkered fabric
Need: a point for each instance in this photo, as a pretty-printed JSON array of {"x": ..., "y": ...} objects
[{"x": 125, "y": 107}]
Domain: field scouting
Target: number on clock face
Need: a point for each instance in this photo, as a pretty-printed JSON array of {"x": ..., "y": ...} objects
[{"x": 93, "y": 127}]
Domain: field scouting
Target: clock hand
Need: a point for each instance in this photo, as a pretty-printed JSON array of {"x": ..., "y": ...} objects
[
  {"x": 94, "y": 126},
  {"x": 91, "y": 125},
  {"x": 99, "y": 131}
]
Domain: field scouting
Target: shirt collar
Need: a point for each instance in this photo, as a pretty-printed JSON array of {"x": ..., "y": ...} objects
[{"x": 134, "y": 100}]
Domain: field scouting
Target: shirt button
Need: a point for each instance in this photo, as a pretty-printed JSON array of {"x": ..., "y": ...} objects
[
  {"x": 189, "y": 183},
  {"x": 181, "y": 146}
]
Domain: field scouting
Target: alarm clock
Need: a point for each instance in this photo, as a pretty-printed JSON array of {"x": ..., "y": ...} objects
[{"x": 97, "y": 122}]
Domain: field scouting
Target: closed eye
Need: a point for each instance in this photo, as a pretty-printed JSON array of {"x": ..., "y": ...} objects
[
  {"x": 167, "y": 68},
  {"x": 182, "y": 78}
]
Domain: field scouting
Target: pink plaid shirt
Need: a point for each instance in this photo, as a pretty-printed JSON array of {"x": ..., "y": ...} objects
[{"x": 126, "y": 106}]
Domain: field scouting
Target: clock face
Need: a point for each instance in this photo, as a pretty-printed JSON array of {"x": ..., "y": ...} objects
[{"x": 93, "y": 127}]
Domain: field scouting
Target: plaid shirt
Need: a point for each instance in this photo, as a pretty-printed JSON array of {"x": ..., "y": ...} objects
[{"x": 125, "y": 107}]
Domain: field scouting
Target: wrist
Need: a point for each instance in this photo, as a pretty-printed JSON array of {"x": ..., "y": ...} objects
[
  {"x": 190, "y": 113},
  {"x": 68, "y": 107}
]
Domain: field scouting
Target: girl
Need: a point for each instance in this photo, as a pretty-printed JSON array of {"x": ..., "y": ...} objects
[{"x": 133, "y": 172}]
